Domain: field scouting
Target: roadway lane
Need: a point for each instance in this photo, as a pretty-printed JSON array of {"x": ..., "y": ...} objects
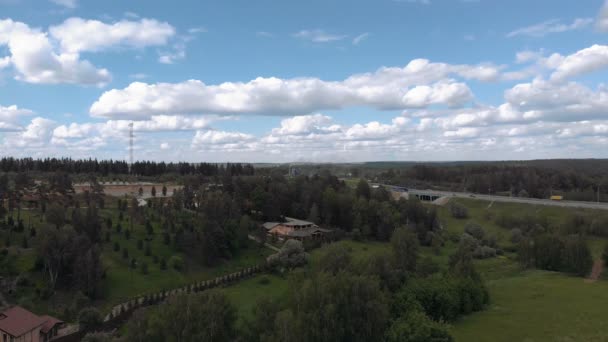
[{"x": 570, "y": 204}]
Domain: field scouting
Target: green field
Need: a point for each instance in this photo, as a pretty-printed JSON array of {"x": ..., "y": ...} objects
[
  {"x": 539, "y": 306},
  {"x": 246, "y": 293}
]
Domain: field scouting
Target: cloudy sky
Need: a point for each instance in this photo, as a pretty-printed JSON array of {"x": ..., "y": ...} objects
[{"x": 316, "y": 80}]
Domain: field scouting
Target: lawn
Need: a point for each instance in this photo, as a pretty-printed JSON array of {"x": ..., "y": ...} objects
[
  {"x": 245, "y": 294},
  {"x": 539, "y": 306}
]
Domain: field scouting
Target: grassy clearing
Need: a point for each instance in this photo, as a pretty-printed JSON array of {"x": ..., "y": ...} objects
[
  {"x": 539, "y": 306},
  {"x": 246, "y": 293}
]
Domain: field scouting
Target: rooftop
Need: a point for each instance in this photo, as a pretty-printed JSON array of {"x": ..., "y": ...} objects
[{"x": 16, "y": 321}]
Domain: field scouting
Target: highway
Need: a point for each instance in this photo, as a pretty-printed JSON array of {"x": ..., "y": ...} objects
[{"x": 493, "y": 198}]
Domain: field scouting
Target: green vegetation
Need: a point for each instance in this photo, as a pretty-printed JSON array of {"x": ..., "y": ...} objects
[{"x": 539, "y": 306}]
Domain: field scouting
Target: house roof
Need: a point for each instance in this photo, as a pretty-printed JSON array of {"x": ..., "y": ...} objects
[
  {"x": 270, "y": 225},
  {"x": 50, "y": 323},
  {"x": 16, "y": 321},
  {"x": 304, "y": 232},
  {"x": 296, "y": 222}
]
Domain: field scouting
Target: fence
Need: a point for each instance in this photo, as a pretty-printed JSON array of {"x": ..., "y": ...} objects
[{"x": 122, "y": 312}]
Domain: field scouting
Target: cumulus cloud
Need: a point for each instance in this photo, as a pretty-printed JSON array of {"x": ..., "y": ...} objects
[
  {"x": 420, "y": 83},
  {"x": 54, "y": 57},
  {"x": 9, "y": 117},
  {"x": 80, "y": 35},
  {"x": 581, "y": 62},
  {"x": 35, "y": 61},
  {"x": 550, "y": 26}
]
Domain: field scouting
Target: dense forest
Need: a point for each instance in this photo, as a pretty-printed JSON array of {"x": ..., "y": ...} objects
[
  {"x": 575, "y": 179},
  {"x": 121, "y": 167}
]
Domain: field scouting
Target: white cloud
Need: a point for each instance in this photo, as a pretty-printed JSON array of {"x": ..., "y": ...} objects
[
  {"x": 35, "y": 61},
  {"x": 165, "y": 146},
  {"x": 71, "y": 4},
  {"x": 221, "y": 140},
  {"x": 360, "y": 38},
  {"x": 319, "y": 36},
  {"x": 9, "y": 117},
  {"x": 79, "y": 35},
  {"x": 452, "y": 94},
  {"x": 305, "y": 124},
  {"x": 601, "y": 22},
  {"x": 550, "y": 26},
  {"x": 581, "y": 62},
  {"x": 420, "y": 83},
  {"x": 35, "y": 134}
]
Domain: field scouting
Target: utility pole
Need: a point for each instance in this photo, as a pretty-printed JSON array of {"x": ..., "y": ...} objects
[{"x": 130, "y": 146}]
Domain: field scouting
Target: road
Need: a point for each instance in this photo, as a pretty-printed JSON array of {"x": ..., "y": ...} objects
[{"x": 570, "y": 204}]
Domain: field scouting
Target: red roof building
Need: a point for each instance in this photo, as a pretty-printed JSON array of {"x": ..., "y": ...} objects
[{"x": 18, "y": 324}]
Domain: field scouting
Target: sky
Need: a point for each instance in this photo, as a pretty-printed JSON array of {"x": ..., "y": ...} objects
[{"x": 304, "y": 81}]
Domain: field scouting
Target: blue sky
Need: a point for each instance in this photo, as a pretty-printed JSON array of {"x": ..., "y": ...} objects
[{"x": 281, "y": 81}]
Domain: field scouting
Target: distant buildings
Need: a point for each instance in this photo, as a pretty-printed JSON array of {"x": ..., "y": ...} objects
[
  {"x": 18, "y": 324},
  {"x": 295, "y": 229}
]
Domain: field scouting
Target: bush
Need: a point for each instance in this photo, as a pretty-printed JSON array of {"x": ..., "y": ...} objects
[
  {"x": 291, "y": 255},
  {"x": 163, "y": 264},
  {"x": 516, "y": 235},
  {"x": 89, "y": 318},
  {"x": 484, "y": 252},
  {"x": 474, "y": 230},
  {"x": 459, "y": 211},
  {"x": 264, "y": 281},
  {"x": 176, "y": 262}
]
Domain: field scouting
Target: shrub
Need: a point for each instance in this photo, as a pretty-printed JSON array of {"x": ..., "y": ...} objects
[
  {"x": 89, "y": 318},
  {"x": 176, "y": 262},
  {"x": 459, "y": 211},
  {"x": 484, "y": 252},
  {"x": 474, "y": 230}
]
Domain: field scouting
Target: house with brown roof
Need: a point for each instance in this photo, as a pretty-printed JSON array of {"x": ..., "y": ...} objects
[
  {"x": 295, "y": 229},
  {"x": 19, "y": 325}
]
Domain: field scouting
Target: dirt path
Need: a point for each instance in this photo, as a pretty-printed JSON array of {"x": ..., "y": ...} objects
[{"x": 596, "y": 271}]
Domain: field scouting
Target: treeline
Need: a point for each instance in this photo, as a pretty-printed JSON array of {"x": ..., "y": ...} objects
[
  {"x": 322, "y": 199},
  {"x": 121, "y": 167},
  {"x": 525, "y": 179}
]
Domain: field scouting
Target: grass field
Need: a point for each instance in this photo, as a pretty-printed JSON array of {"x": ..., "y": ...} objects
[
  {"x": 539, "y": 306},
  {"x": 246, "y": 294}
]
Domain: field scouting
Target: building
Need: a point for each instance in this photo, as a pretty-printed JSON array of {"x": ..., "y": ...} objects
[
  {"x": 20, "y": 325},
  {"x": 295, "y": 229}
]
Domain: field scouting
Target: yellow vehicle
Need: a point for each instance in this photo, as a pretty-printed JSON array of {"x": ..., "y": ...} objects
[{"x": 557, "y": 198}]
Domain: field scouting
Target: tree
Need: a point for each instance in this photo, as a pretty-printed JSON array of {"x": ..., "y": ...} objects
[
  {"x": 153, "y": 191},
  {"x": 335, "y": 259},
  {"x": 417, "y": 327},
  {"x": 164, "y": 191},
  {"x": 363, "y": 189},
  {"x": 98, "y": 337},
  {"x": 405, "y": 244},
  {"x": 140, "y": 192},
  {"x": 89, "y": 319},
  {"x": 55, "y": 215},
  {"x": 207, "y": 316},
  {"x": 291, "y": 255},
  {"x": 605, "y": 255}
]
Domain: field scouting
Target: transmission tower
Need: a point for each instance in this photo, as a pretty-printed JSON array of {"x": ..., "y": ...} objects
[{"x": 130, "y": 146}]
